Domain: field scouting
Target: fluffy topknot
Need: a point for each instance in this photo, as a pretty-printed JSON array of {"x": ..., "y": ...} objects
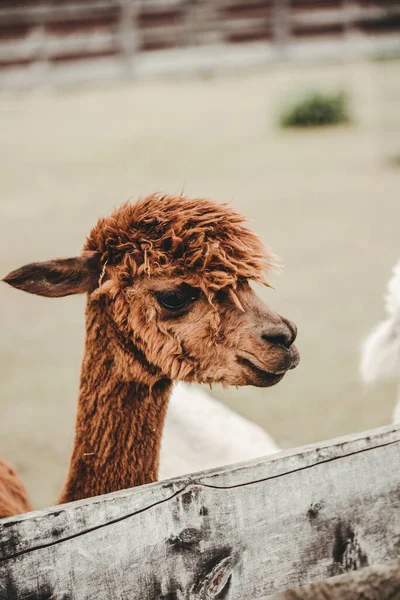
[{"x": 193, "y": 239}]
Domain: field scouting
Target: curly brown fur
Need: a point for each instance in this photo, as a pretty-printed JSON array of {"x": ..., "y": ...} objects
[
  {"x": 137, "y": 343},
  {"x": 13, "y": 495},
  {"x": 169, "y": 236}
]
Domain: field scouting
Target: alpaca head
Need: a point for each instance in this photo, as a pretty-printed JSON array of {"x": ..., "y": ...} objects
[{"x": 171, "y": 277}]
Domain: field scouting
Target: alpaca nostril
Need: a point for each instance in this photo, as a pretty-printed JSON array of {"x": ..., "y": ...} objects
[
  {"x": 278, "y": 339},
  {"x": 284, "y": 335}
]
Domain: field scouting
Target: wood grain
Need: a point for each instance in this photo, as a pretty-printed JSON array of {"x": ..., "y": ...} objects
[{"x": 245, "y": 531}]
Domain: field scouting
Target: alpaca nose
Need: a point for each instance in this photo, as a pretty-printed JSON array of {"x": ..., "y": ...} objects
[{"x": 280, "y": 334}]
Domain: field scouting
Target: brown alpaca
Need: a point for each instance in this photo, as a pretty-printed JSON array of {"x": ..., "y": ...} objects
[{"x": 169, "y": 299}]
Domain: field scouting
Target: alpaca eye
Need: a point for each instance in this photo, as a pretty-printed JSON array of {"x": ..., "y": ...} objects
[{"x": 177, "y": 298}]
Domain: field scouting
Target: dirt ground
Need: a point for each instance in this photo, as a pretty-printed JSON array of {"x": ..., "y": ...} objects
[{"x": 326, "y": 201}]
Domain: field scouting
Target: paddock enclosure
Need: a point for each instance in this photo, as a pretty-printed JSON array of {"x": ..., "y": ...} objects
[
  {"x": 243, "y": 532},
  {"x": 325, "y": 516},
  {"x": 45, "y": 42}
]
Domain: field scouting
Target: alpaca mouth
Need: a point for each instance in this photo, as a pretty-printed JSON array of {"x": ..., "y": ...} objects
[{"x": 263, "y": 378}]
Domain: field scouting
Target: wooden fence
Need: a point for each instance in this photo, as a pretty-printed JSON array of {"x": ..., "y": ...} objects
[
  {"x": 243, "y": 532},
  {"x": 44, "y": 41}
]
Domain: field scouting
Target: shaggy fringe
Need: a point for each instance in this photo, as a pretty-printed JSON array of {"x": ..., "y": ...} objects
[{"x": 193, "y": 239}]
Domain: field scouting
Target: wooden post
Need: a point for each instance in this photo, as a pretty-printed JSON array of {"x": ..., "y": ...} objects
[
  {"x": 206, "y": 22},
  {"x": 42, "y": 63},
  {"x": 282, "y": 29},
  {"x": 127, "y": 35},
  {"x": 351, "y": 31}
]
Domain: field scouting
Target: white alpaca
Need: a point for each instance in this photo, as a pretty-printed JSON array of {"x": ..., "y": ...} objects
[
  {"x": 201, "y": 433},
  {"x": 380, "y": 358}
]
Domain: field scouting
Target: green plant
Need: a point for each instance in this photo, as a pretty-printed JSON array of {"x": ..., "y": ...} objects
[
  {"x": 385, "y": 56},
  {"x": 316, "y": 109}
]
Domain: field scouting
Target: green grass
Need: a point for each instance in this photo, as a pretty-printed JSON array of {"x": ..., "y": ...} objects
[{"x": 315, "y": 110}]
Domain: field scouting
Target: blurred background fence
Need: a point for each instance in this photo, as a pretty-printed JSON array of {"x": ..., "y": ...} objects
[{"x": 45, "y": 42}]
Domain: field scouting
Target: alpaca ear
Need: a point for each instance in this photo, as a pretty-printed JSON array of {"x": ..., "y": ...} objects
[{"x": 60, "y": 277}]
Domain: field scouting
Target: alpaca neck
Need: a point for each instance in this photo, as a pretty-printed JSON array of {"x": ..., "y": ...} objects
[{"x": 119, "y": 421}]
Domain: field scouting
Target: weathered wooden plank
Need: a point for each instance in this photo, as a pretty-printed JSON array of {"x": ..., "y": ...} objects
[{"x": 250, "y": 530}]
